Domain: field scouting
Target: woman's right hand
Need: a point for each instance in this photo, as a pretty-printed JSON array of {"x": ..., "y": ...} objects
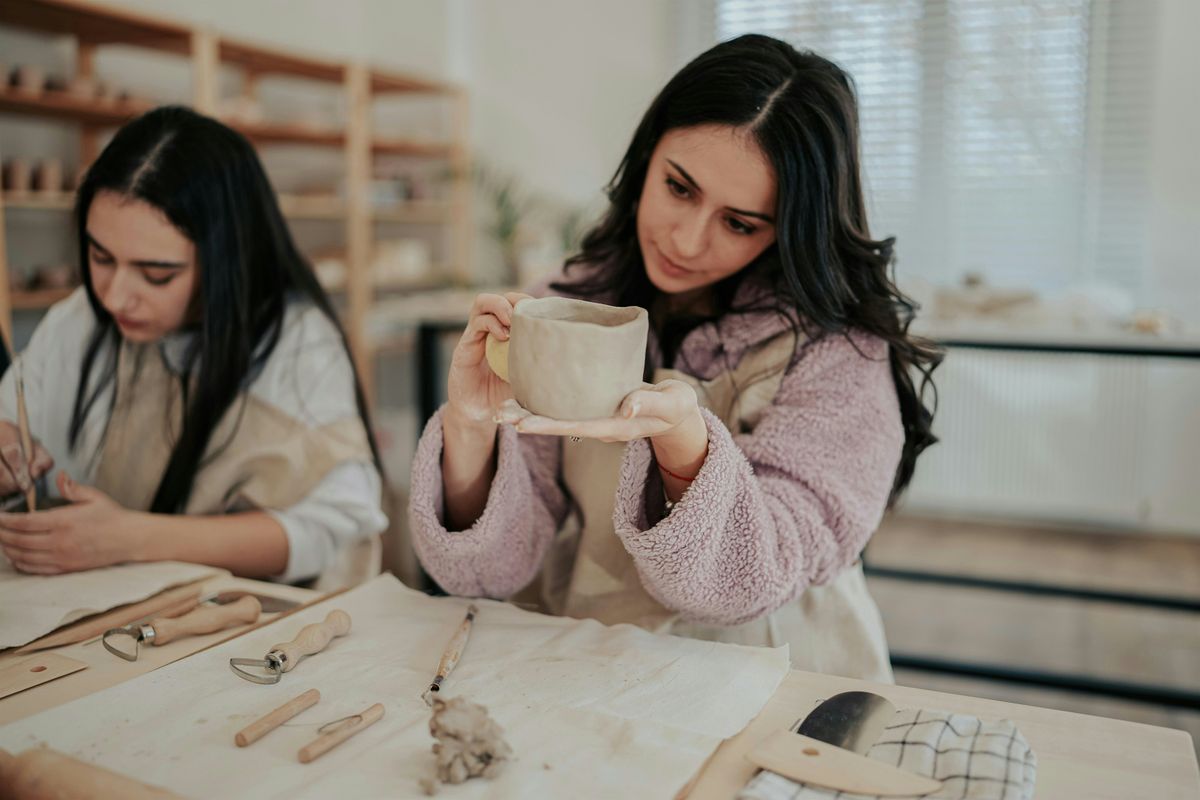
[
  {"x": 473, "y": 391},
  {"x": 15, "y": 474}
]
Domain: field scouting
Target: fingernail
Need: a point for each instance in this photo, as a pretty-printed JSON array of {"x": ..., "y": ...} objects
[{"x": 634, "y": 409}]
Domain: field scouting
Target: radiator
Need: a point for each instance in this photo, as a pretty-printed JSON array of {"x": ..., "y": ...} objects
[{"x": 1108, "y": 441}]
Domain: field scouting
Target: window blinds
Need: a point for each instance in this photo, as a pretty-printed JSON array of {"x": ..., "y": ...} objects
[{"x": 1003, "y": 137}]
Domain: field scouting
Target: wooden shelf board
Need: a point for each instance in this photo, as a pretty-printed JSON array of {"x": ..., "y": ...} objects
[
  {"x": 397, "y": 83},
  {"x": 437, "y": 280},
  {"x": 415, "y": 211},
  {"x": 312, "y": 206},
  {"x": 35, "y": 299},
  {"x": 63, "y": 105},
  {"x": 412, "y": 147},
  {"x": 290, "y": 133},
  {"x": 40, "y": 201},
  {"x": 260, "y": 60},
  {"x": 96, "y": 24}
]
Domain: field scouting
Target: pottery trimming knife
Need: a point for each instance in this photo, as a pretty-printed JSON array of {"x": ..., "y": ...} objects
[{"x": 283, "y": 658}]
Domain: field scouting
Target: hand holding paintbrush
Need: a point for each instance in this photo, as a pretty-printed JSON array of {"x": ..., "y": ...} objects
[{"x": 23, "y": 459}]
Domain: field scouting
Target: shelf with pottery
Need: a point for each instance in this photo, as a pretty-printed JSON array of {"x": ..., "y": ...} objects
[
  {"x": 39, "y": 201},
  {"x": 70, "y": 106},
  {"x": 83, "y": 100}
]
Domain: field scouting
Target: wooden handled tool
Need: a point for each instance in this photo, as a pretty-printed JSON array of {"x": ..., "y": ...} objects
[
  {"x": 41, "y": 773},
  {"x": 265, "y": 724},
  {"x": 282, "y": 658},
  {"x": 326, "y": 742},
  {"x": 202, "y": 619},
  {"x": 453, "y": 652},
  {"x": 207, "y": 619},
  {"x": 26, "y": 439},
  {"x": 165, "y": 604}
]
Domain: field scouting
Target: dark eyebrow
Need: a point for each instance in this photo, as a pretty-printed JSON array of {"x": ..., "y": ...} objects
[
  {"x": 144, "y": 264},
  {"x": 692, "y": 182}
]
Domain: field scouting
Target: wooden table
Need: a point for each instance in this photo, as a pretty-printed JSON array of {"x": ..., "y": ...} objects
[
  {"x": 104, "y": 669},
  {"x": 1079, "y": 756}
]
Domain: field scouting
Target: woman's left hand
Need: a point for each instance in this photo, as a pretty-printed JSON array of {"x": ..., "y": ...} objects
[
  {"x": 655, "y": 410},
  {"x": 94, "y": 531}
]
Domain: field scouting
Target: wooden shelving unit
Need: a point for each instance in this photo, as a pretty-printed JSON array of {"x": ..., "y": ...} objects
[{"x": 93, "y": 25}]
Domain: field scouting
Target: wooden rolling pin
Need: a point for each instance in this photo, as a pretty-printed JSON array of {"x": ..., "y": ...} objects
[
  {"x": 206, "y": 619},
  {"x": 45, "y": 774},
  {"x": 326, "y": 742},
  {"x": 265, "y": 724}
]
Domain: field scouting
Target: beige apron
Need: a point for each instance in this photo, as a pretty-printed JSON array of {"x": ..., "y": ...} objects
[
  {"x": 258, "y": 456},
  {"x": 835, "y": 628}
]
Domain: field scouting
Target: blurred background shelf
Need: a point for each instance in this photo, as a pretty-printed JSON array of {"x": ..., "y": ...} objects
[{"x": 213, "y": 58}]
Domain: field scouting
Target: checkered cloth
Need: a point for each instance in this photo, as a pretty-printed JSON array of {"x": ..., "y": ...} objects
[{"x": 975, "y": 760}]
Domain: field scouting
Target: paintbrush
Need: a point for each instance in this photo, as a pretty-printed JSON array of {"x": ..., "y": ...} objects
[
  {"x": 26, "y": 439},
  {"x": 454, "y": 649}
]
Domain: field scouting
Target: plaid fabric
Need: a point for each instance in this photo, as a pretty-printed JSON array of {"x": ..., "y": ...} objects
[{"x": 975, "y": 760}]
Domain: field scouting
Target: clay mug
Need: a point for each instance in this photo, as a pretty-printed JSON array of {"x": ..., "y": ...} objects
[{"x": 570, "y": 359}]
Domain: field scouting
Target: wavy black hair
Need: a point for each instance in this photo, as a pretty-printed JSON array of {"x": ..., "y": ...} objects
[
  {"x": 208, "y": 181},
  {"x": 824, "y": 272}
]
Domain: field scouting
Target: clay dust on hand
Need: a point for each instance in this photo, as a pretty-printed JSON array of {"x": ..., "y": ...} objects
[{"x": 469, "y": 743}]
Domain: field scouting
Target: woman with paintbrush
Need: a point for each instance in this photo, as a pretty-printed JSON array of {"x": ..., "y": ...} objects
[
  {"x": 196, "y": 392},
  {"x": 731, "y": 497}
]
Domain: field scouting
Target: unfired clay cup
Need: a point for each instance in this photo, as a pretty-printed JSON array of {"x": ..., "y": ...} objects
[{"x": 570, "y": 359}]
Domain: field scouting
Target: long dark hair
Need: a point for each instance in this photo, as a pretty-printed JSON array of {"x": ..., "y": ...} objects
[
  {"x": 208, "y": 181},
  {"x": 824, "y": 272}
]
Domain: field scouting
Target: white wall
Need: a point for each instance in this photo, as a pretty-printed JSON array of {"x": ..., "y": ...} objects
[{"x": 1175, "y": 170}]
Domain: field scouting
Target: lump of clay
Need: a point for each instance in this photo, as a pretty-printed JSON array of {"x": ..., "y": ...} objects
[{"x": 469, "y": 743}]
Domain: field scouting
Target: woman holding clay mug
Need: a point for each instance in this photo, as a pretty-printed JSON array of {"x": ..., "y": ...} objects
[{"x": 730, "y": 495}]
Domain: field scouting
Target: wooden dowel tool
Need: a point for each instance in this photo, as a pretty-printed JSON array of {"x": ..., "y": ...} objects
[
  {"x": 265, "y": 724},
  {"x": 326, "y": 742}
]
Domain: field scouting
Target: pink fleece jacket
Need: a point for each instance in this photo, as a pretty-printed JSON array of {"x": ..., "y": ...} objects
[{"x": 774, "y": 510}]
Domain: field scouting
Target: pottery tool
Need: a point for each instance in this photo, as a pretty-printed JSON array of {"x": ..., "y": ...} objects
[
  {"x": 170, "y": 603},
  {"x": 283, "y": 658},
  {"x": 205, "y": 618},
  {"x": 269, "y": 722},
  {"x": 453, "y": 651},
  {"x": 26, "y": 439},
  {"x": 25, "y": 673},
  {"x": 829, "y": 749},
  {"x": 342, "y": 730}
]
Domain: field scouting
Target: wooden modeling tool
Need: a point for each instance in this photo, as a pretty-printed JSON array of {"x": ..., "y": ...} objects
[
  {"x": 265, "y": 724},
  {"x": 342, "y": 730},
  {"x": 26, "y": 439},
  {"x": 450, "y": 656},
  {"x": 282, "y": 658},
  {"x": 170, "y": 603},
  {"x": 205, "y": 618}
]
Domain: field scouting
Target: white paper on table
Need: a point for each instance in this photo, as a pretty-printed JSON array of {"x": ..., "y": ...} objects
[
  {"x": 33, "y": 605},
  {"x": 590, "y": 710}
]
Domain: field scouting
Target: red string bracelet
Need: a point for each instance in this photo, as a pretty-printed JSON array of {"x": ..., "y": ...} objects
[{"x": 676, "y": 476}]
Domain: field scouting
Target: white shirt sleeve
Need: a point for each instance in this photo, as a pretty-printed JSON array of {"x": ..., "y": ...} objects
[
  {"x": 343, "y": 507},
  {"x": 311, "y": 378}
]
